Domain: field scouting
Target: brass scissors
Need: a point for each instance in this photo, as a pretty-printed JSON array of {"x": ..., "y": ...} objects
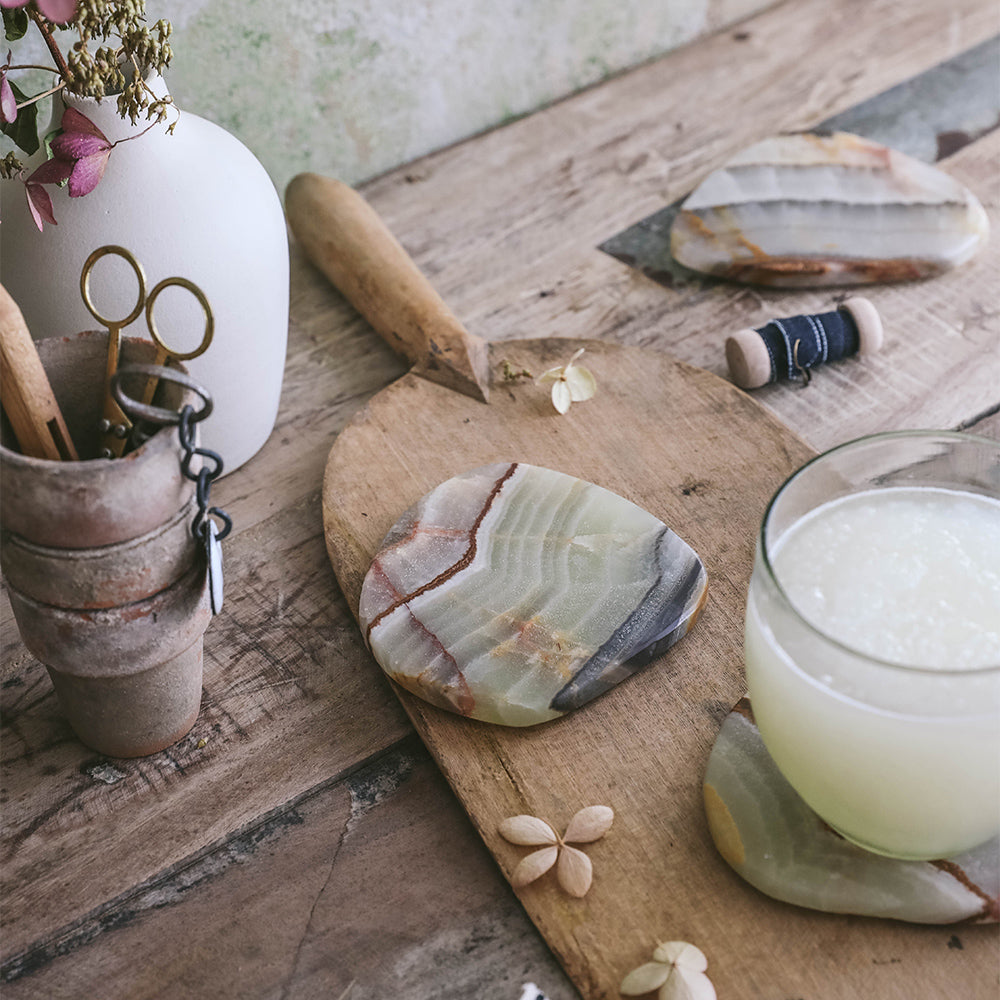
[{"x": 115, "y": 423}]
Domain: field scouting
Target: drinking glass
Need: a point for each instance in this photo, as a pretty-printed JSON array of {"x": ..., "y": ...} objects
[{"x": 873, "y": 640}]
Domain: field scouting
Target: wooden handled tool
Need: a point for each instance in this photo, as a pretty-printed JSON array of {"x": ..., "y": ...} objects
[
  {"x": 350, "y": 244},
  {"x": 25, "y": 392}
]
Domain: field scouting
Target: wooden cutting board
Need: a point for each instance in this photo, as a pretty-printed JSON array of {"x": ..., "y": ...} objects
[{"x": 705, "y": 458}]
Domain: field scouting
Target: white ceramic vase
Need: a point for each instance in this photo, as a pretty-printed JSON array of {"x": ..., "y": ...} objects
[{"x": 195, "y": 204}]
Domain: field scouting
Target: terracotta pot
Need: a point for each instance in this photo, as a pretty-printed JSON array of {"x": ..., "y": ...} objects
[{"x": 106, "y": 580}]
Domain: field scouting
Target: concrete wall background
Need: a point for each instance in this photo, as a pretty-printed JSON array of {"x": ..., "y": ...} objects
[{"x": 353, "y": 88}]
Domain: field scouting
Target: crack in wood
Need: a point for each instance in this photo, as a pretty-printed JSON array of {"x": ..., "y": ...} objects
[{"x": 368, "y": 783}]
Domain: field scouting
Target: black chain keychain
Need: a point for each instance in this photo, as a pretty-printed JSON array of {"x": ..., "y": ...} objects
[{"x": 204, "y": 527}]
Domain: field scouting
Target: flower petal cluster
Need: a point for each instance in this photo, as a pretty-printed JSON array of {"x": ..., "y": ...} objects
[
  {"x": 571, "y": 383},
  {"x": 85, "y": 147},
  {"x": 80, "y": 154},
  {"x": 111, "y": 36},
  {"x": 39, "y": 201},
  {"x": 677, "y": 972},
  {"x": 573, "y": 868}
]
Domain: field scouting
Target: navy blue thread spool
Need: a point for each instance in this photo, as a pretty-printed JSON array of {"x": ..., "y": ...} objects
[{"x": 788, "y": 348}]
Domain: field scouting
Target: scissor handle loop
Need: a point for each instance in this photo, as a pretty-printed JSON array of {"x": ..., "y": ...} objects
[
  {"x": 88, "y": 266},
  {"x": 158, "y": 414},
  {"x": 209, "y": 318}
]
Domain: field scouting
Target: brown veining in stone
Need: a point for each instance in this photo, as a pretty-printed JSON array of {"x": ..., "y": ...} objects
[
  {"x": 453, "y": 694},
  {"x": 785, "y": 270},
  {"x": 467, "y": 557},
  {"x": 991, "y": 906}
]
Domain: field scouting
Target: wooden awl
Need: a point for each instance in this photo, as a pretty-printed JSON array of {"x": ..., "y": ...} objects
[
  {"x": 25, "y": 393},
  {"x": 350, "y": 244}
]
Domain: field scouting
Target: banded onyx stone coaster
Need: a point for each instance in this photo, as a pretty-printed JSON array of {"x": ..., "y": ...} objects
[
  {"x": 804, "y": 210},
  {"x": 769, "y": 836},
  {"x": 515, "y": 594}
]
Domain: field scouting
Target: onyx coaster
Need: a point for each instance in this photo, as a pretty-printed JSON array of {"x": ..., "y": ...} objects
[
  {"x": 514, "y": 594},
  {"x": 770, "y": 837},
  {"x": 929, "y": 118}
]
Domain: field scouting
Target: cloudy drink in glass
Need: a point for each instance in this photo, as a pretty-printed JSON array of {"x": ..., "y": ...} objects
[{"x": 873, "y": 640}]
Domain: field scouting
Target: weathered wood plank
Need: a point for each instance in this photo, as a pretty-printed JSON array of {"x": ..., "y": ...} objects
[
  {"x": 495, "y": 221},
  {"x": 331, "y": 895},
  {"x": 938, "y": 369},
  {"x": 290, "y": 700}
]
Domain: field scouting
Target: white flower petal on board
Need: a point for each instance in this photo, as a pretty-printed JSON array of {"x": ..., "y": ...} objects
[
  {"x": 575, "y": 871},
  {"x": 589, "y": 824},
  {"x": 685, "y": 984},
  {"x": 581, "y": 383},
  {"x": 528, "y": 830},
  {"x": 561, "y": 396},
  {"x": 534, "y": 866},
  {"x": 645, "y": 979},
  {"x": 681, "y": 954}
]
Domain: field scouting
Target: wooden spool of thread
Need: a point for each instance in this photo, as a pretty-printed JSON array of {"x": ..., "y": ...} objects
[{"x": 788, "y": 348}]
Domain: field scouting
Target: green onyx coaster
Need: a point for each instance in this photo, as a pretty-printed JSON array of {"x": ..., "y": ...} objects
[
  {"x": 514, "y": 594},
  {"x": 769, "y": 836}
]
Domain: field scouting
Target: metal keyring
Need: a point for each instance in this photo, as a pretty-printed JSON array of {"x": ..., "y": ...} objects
[{"x": 158, "y": 414}]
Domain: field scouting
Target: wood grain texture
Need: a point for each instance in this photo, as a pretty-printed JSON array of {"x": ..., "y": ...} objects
[
  {"x": 74, "y": 833},
  {"x": 506, "y": 225},
  {"x": 312, "y": 901},
  {"x": 649, "y": 137}
]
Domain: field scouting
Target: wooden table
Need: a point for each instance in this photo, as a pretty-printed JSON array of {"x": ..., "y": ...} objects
[{"x": 300, "y": 841}]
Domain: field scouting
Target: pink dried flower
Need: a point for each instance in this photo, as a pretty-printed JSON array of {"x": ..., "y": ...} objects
[
  {"x": 57, "y": 11},
  {"x": 39, "y": 202},
  {"x": 8, "y": 103},
  {"x": 80, "y": 154},
  {"x": 86, "y": 148}
]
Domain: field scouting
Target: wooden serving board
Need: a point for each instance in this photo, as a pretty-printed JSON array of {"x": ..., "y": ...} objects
[{"x": 703, "y": 457}]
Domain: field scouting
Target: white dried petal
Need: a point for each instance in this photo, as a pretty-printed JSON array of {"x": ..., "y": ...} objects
[
  {"x": 685, "y": 984},
  {"x": 589, "y": 824},
  {"x": 581, "y": 383},
  {"x": 528, "y": 830},
  {"x": 575, "y": 871},
  {"x": 533, "y": 866},
  {"x": 552, "y": 373},
  {"x": 561, "y": 396},
  {"x": 645, "y": 979},
  {"x": 681, "y": 954}
]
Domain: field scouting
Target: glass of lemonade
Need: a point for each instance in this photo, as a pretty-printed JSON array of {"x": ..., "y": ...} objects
[{"x": 873, "y": 640}]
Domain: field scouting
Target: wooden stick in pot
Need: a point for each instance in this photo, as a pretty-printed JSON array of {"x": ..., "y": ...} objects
[{"x": 25, "y": 393}]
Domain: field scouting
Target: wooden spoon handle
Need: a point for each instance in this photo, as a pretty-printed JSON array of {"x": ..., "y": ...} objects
[
  {"x": 25, "y": 392},
  {"x": 350, "y": 244}
]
